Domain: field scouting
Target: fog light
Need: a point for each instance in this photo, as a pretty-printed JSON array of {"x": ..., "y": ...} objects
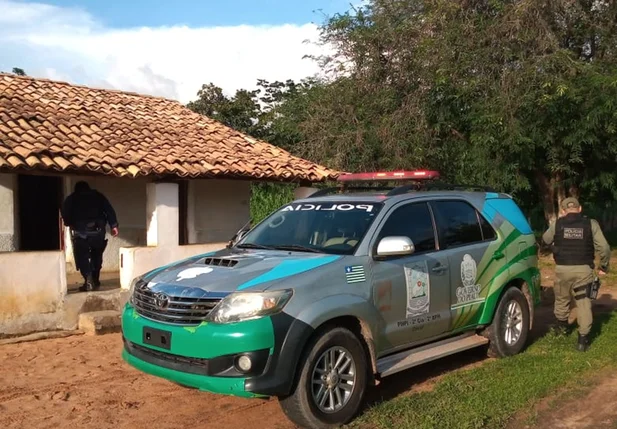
[{"x": 244, "y": 363}]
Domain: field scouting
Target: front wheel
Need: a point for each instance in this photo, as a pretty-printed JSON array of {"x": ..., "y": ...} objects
[
  {"x": 510, "y": 328},
  {"x": 331, "y": 382}
]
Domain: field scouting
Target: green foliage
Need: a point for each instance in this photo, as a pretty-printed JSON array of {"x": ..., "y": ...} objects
[
  {"x": 488, "y": 396},
  {"x": 17, "y": 71},
  {"x": 515, "y": 94},
  {"x": 268, "y": 197},
  {"x": 273, "y": 112}
]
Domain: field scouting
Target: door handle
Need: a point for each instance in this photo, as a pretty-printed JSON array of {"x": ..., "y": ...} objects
[{"x": 439, "y": 268}]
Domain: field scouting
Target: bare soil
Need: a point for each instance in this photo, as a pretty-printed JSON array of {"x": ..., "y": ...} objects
[
  {"x": 586, "y": 407},
  {"x": 83, "y": 382},
  {"x": 594, "y": 410}
]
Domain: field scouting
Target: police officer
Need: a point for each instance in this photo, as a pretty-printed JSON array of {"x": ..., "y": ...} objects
[
  {"x": 87, "y": 212},
  {"x": 575, "y": 240}
]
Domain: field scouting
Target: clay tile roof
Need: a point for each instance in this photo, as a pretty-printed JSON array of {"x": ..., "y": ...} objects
[{"x": 49, "y": 125}]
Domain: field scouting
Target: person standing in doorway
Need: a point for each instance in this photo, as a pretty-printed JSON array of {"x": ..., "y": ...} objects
[
  {"x": 576, "y": 239},
  {"x": 87, "y": 212}
]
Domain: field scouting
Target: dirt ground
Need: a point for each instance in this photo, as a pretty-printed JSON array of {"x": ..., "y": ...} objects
[
  {"x": 594, "y": 410},
  {"x": 83, "y": 382}
]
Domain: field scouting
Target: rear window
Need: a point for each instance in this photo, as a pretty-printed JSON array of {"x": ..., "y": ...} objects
[{"x": 460, "y": 224}]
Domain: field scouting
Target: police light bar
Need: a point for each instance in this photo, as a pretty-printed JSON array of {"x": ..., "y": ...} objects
[{"x": 389, "y": 175}]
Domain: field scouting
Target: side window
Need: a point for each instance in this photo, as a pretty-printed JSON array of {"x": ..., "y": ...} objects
[
  {"x": 488, "y": 233},
  {"x": 458, "y": 223},
  {"x": 413, "y": 221}
]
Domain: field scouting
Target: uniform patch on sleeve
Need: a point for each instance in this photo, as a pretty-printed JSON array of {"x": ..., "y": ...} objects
[{"x": 573, "y": 233}]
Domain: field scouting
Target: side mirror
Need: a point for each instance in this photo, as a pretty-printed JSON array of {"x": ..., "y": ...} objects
[
  {"x": 395, "y": 246},
  {"x": 239, "y": 235}
]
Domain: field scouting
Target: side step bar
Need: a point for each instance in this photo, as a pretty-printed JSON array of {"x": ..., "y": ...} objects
[{"x": 409, "y": 358}]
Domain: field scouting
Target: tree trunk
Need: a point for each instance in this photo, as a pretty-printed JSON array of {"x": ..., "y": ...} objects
[
  {"x": 574, "y": 191},
  {"x": 557, "y": 181},
  {"x": 547, "y": 190}
]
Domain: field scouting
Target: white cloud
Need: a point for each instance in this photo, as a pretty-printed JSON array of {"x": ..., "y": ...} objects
[{"x": 69, "y": 44}]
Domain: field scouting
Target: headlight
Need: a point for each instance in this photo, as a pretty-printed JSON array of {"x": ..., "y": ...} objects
[
  {"x": 134, "y": 283},
  {"x": 240, "y": 306}
]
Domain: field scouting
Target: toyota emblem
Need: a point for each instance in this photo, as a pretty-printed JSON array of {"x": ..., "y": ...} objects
[{"x": 161, "y": 301}]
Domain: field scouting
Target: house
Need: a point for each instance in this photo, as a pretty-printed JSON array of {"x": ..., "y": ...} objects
[{"x": 179, "y": 182}]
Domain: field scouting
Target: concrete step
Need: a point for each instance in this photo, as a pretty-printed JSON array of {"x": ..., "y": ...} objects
[
  {"x": 79, "y": 303},
  {"x": 100, "y": 322}
]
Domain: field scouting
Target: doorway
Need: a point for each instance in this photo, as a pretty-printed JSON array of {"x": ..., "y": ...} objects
[
  {"x": 183, "y": 198},
  {"x": 39, "y": 201}
]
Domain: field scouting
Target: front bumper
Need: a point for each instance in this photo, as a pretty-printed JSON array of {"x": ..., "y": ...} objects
[
  {"x": 201, "y": 357},
  {"x": 230, "y": 386}
]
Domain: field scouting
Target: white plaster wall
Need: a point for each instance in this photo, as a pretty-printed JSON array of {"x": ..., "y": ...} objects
[
  {"x": 8, "y": 224},
  {"x": 162, "y": 214},
  {"x": 128, "y": 197},
  {"x": 217, "y": 209},
  {"x": 138, "y": 261},
  {"x": 32, "y": 289}
]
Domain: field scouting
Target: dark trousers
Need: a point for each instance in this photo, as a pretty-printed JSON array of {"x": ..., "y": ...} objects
[{"x": 88, "y": 250}]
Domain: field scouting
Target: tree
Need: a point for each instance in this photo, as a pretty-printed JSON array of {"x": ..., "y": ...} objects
[
  {"x": 272, "y": 112},
  {"x": 17, "y": 71},
  {"x": 516, "y": 94}
]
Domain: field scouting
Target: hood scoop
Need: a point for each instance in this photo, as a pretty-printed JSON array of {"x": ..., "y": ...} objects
[{"x": 221, "y": 262}]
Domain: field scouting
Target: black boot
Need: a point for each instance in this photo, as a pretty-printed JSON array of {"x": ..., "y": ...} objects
[
  {"x": 562, "y": 327},
  {"x": 96, "y": 282},
  {"x": 88, "y": 284},
  {"x": 583, "y": 343}
]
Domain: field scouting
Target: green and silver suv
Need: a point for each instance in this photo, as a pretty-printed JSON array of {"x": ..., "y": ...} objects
[{"x": 334, "y": 291}]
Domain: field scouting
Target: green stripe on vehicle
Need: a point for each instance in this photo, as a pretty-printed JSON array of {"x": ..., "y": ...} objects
[
  {"x": 206, "y": 340},
  {"x": 489, "y": 294},
  {"x": 222, "y": 385}
]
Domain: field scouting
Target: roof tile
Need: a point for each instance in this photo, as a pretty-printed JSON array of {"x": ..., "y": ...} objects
[{"x": 55, "y": 125}]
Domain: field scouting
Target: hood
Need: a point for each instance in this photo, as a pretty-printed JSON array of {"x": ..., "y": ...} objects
[{"x": 228, "y": 270}]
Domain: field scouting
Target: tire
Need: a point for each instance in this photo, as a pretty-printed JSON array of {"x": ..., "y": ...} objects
[
  {"x": 301, "y": 407},
  {"x": 503, "y": 342}
]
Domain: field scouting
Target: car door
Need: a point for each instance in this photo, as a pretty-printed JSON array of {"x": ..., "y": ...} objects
[
  {"x": 464, "y": 236},
  {"x": 412, "y": 292}
]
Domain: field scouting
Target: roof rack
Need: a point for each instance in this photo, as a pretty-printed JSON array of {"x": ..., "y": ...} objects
[
  {"x": 343, "y": 188},
  {"x": 437, "y": 186}
]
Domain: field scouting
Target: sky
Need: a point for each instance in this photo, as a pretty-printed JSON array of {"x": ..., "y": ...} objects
[{"x": 163, "y": 48}]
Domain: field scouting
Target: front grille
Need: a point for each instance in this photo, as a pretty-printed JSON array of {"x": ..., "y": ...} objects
[
  {"x": 179, "y": 310},
  {"x": 220, "y": 262}
]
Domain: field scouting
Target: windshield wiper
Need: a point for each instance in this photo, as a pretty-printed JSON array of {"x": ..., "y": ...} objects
[
  {"x": 297, "y": 247},
  {"x": 254, "y": 246}
]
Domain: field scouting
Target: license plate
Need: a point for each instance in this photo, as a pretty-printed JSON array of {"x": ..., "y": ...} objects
[{"x": 157, "y": 338}]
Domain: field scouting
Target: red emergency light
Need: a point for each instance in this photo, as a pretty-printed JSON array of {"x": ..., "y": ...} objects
[{"x": 389, "y": 175}]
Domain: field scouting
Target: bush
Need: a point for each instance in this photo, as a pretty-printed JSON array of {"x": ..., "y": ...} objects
[{"x": 267, "y": 197}]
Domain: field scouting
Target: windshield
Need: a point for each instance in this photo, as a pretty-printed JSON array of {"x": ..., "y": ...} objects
[{"x": 332, "y": 227}]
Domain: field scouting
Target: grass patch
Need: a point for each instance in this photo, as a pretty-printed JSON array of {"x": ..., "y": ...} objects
[
  {"x": 490, "y": 395},
  {"x": 267, "y": 197}
]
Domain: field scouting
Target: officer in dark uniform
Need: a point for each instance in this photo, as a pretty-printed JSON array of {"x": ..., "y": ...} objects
[
  {"x": 575, "y": 240},
  {"x": 87, "y": 212}
]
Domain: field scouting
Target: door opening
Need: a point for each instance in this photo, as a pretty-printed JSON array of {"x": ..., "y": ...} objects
[
  {"x": 183, "y": 195},
  {"x": 39, "y": 201}
]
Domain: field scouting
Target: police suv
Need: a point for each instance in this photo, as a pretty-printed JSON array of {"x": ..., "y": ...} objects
[{"x": 332, "y": 292}]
